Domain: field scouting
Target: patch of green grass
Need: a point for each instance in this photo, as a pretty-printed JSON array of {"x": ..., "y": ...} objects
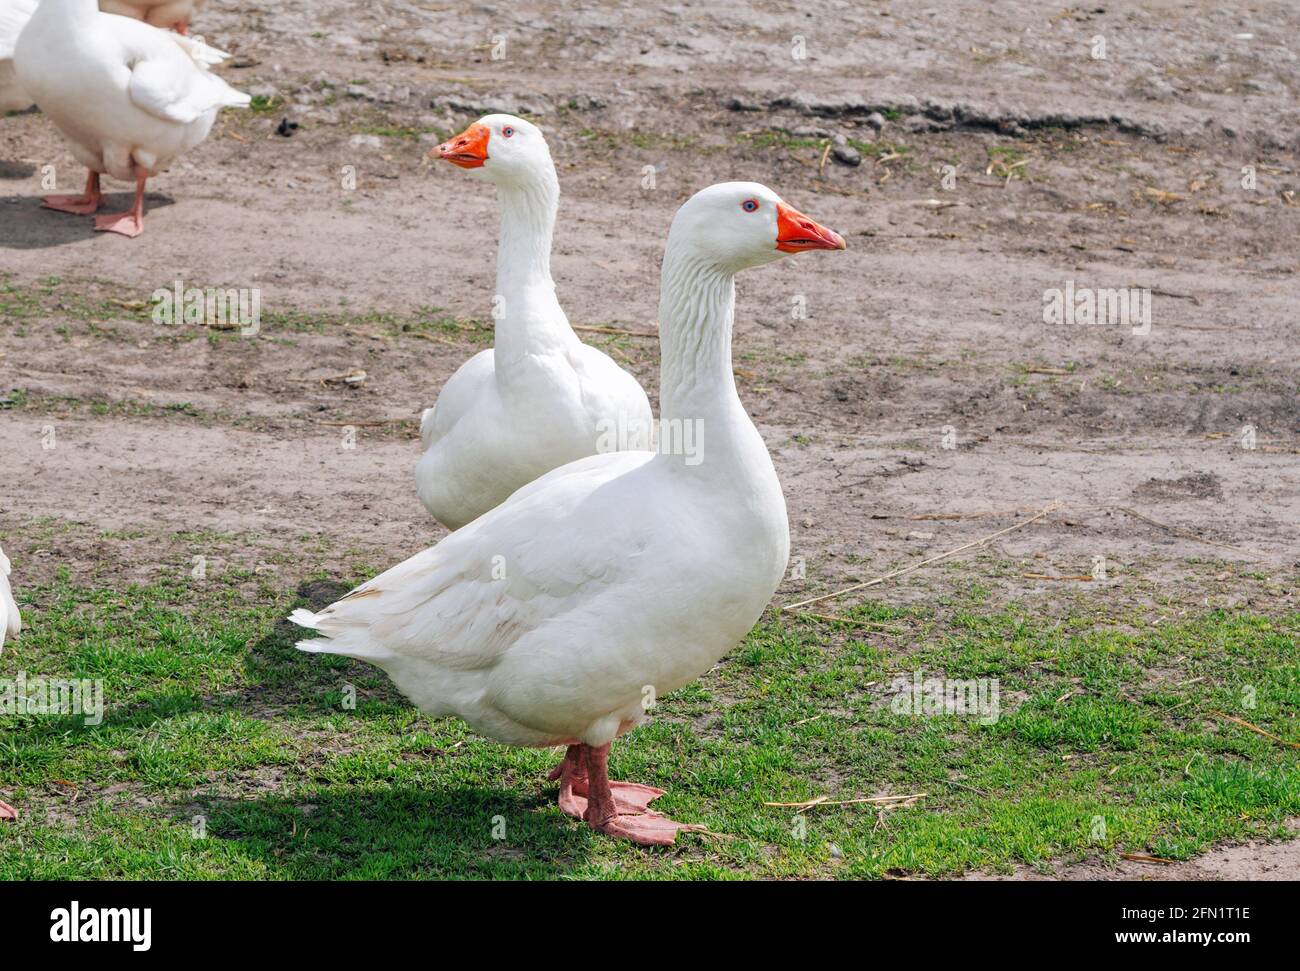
[
  {"x": 265, "y": 104},
  {"x": 1008, "y": 161},
  {"x": 225, "y": 753},
  {"x": 92, "y": 304}
]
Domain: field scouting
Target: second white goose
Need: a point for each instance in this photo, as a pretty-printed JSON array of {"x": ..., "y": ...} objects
[{"x": 540, "y": 397}]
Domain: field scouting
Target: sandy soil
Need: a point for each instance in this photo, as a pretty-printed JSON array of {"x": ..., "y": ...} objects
[{"x": 928, "y": 331}]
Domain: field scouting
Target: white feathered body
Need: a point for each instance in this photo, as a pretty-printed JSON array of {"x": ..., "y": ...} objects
[
  {"x": 14, "y": 15},
  {"x": 492, "y": 432},
  {"x": 10, "y": 621},
  {"x": 588, "y": 593},
  {"x": 123, "y": 93}
]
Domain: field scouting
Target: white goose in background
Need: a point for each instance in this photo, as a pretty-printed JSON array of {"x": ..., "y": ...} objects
[
  {"x": 539, "y": 397},
  {"x": 168, "y": 14},
  {"x": 559, "y": 616},
  {"x": 14, "y": 14},
  {"x": 128, "y": 97},
  {"x": 10, "y": 623}
]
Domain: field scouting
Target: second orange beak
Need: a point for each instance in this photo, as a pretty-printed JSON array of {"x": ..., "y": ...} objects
[
  {"x": 469, "y": 149},
  {"x": 795, "y": 232}
]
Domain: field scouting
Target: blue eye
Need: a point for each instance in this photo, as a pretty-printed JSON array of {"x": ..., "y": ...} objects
[
  {"x": 750, "y": 205},
  {"x": 507, "y": 131}
]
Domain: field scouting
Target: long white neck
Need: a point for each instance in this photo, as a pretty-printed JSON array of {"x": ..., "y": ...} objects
[
  {"x": 529, "y": 319},
  {"x": 697, "y": 303}
]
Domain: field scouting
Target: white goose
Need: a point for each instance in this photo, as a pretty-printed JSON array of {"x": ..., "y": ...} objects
[
  {"x": 540, "y": 397},
  {"x": 168, "y": 14},
  {"x": 10, "y": 623},
  {"x": 558, "y": 616},
  {"x": 14, "y": 14},
  {"x": 128, "y": 97}
]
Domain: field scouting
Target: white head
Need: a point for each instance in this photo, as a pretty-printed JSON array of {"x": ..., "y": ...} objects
[
  {"x": 736, "y": 225},
  {"x": 503, "y": 149}
]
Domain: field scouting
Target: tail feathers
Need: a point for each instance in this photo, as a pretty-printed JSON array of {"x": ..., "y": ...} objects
[
  {"x": 304, "y": 618},
  {"x": 205, "y": 55},
  {"x": 348, "y": 640}
]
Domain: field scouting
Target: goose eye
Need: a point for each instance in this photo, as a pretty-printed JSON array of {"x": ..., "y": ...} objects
[
  {"x": 507, "y": 131},
  {"x": 750, "y": 205}
]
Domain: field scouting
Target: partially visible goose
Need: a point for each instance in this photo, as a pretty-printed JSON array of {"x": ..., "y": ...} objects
[
  {"x": 168, "y": 14},
  {"x": 10, "y": 623},
  {"x": 560, "y": 615},
  {"x": 540, "y": 397},
  {"x": 14, "y": 14},
  {"x": 128, "y": 97}
]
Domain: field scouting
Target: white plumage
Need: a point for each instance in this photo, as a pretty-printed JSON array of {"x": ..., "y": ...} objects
[
  {"x": 10, "y": 624},
  {"x": 540, "y": 397},
  {"x": 556, "y": 617},
  {"x": 14, "y": 15},
  {"x": 129, "y": 98},
  {"x": 10, "y": 620}
]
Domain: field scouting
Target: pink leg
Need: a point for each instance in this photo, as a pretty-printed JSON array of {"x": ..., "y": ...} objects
[
  {"x": 629, "y": 797},
  {"x": 130, "y": 223},
  {"x": 7, "y": 811},
  {"x": 82, "y": 205},
  {"x": 603, "y": 814},
  {"x": 572, "y": 773}
]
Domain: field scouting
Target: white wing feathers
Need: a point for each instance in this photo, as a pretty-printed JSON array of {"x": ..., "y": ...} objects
[
  {"x": 464, "y": 602},
  {"x": 161, "y": 87}
]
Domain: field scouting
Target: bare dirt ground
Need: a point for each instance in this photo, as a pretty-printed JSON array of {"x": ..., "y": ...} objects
[{"x": 1122, "y": 171}]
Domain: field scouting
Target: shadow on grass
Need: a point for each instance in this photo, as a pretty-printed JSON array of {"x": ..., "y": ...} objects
[
  {"x": 369, "y": 832},
  {"x": 279, "y": 675},
  {"x": 398, "y": 834}
]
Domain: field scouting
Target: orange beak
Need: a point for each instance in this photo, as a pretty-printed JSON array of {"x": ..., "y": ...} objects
[
  {"x": 795, "y": 232},
  {"x": 469, "y": 149}
]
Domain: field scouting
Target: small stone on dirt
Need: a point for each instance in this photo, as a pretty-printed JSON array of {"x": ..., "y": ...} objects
[{"x": 846, "y": 155}]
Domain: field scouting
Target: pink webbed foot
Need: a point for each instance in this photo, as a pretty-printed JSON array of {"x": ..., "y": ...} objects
[
  {"x": 629, "y": 797},
  {"x": 621, "y": 809},
  {"x": 7, "y": 811},
  {"x": 645, "y": 829},
  {"x": 130, "y": 224},
  {"x": 82, "y": 205}
]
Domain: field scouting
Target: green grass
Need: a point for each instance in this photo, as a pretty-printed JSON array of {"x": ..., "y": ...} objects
[
  {"x": 92, "y": 304},
  {"x": 225, "y": 753},
  {"x": 264, "y": 104}
]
